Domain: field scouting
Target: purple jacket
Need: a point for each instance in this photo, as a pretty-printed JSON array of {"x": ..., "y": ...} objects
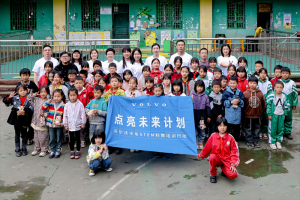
[
  {"x": 74, "y": 117},
  {"x": 201, "y": 101}
]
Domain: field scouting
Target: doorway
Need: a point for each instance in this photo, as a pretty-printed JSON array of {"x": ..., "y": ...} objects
[
  {"x": 120, "y": 18},
  {"x": 264, "y": 16}
]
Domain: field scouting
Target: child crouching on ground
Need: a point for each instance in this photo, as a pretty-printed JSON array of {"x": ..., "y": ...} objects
[
  {"x": 98, "y": 153},
  {"x": 223, "y": 152}
]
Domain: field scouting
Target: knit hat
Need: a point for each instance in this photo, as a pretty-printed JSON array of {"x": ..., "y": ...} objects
[{"x": 97, "y": 62}]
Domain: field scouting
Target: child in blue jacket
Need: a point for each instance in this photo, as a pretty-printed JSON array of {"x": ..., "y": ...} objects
[{"x": 233, "y": 101}]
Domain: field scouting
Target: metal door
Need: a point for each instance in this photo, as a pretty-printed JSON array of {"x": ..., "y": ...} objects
[{"x": 120, "y": 21}]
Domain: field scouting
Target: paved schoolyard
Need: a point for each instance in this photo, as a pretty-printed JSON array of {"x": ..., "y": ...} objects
[{"x": 272, "y": 174}]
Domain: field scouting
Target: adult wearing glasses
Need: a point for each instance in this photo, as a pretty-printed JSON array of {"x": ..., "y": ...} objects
[
  {"x": 38, "y": 68},
  {"x": 65, "y": 65}
]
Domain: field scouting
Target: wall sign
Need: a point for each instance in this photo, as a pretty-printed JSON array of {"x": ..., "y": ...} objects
[{"x": 105, "y": 10}]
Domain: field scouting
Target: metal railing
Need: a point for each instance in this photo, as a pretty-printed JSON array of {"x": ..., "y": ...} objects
[
  {"x": 17, "y": 35},
  {"x": 271, "y": 51},
  {"x": 18, "y": 54}
]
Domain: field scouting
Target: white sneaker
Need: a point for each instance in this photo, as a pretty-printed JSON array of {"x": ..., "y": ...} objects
[
  {"x": 82, "y": 144},
  {"x": 35, "y": 152},
  {"x": 200, "y": 145},
  {"x": 42, "y": 154},
  {"x": 92, "y": 173},
  {"x": 273, "y": 146},
  {"x": 132, "y": 150},
  {"x": 278, "y": 145},
  {"x": 108, "y": 169}
]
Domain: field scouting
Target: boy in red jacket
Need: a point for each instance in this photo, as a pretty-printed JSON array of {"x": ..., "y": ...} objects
[
  {"x": 277, "y": 72},
  {"x": 243, "y": 84},
  {"x": 223, "y": 152}
]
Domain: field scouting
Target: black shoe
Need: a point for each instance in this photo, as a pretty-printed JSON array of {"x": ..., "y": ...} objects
[
  {"x": 256, "y": 145},
  {"x": 289, "y": 136},
  {"x": 18, "y": 153},
  {"x": 24, "y": 152},
  {"x": 118, "y": 151},
  {"x": 29, "y": 142},
  {"x": 250, "y": 145},
  {"x": 213, "y": 179}
]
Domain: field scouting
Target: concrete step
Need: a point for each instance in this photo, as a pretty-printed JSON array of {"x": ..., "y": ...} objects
[{"x": 7, "y": 87}]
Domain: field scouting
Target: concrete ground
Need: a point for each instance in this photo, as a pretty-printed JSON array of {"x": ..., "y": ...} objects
[{"x": 272, "y": 174}]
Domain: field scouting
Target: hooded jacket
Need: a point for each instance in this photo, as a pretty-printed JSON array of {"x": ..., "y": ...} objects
[
  {"x": 83, "y": 97},
  {"x": 255, "y": 104},
  {"x": 201, "y": 107},
  {"x": 74, "y": 116},
  {"x": 233, "y": 115}
]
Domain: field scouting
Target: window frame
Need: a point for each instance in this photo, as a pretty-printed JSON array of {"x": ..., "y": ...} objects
[
  {"x": 169, "y": 21},
  {"x": 239, "y": 17},
  {"x": 88, "y": 8}
]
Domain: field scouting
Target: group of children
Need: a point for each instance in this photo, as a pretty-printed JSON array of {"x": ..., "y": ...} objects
[{"x": 78, "y": 107}]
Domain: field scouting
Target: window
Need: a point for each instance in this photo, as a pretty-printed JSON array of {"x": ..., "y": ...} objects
[
  {"x": 90, "y": 14},
  {"x": 22, "y": 14},
  {"x": 169, "y": 14},
  {"x": 235, "y": 14}
]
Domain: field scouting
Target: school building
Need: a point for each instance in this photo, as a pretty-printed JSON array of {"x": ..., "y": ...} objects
[{"x": 158, "y": 19}]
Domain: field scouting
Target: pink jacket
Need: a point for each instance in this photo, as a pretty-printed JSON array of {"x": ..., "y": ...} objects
[{"x": 74, "y": 116}]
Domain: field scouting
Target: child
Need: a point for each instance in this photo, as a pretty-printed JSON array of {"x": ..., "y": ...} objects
[
  {"x": 146, "y": 72},
  {"x": 31, "y": 86},
  {"x": 217, "y": 73},
  {"x": 176, "y": 70},
  {"x": 149, "y": 81},
  {"x": 216, "y": 106},
  {"x": 93, "y": 82},
  {"x": 255, "y": 106},
  {"x": 258, "y": 65},
  {"x": 243, "y": 82},
  {"x": 97, "y": 65},
  {"x": 56, "y": 84},
  {"x": 278, "y": 107},
  {"x": 155, "y": 72},
  {"x": 203, "y": 55},
  {"x": 277, "y": 72},
  {"x": 158, "y": 90},
  {"x": 74, "y": 120},
  {"x": 85, "y": 66},
  {"x": 132, "y": 91},
  {"x": 223, "y": 152},
  {"x": 114, "y": 90},
  {"x": 242, "y": 62},
  {"x": 83, "y": 74},
  {"x": 51, "y": 77},
  {"x": 112, "y": 67},
  {"x": 212, "y": 62},
  {"x": 127, "y": 74},
  {"x": 38, "y": 123},
  {"x": 120, "y": 79},
  {"x": 233, "y": 101},
  {"x": 169, "y": 70},
  {"x": 48, "y": 66},
  {"x": 231, "y": 71},
  {"x": 98, "y": 154},
  {"x": 203, "y": 76},
  {"x": 20, "y": 117},
  {"x": 54, "y": 121},
  {"x": 103, "y": 82},
  {"x": 202, "y": 111},
  {"x": 224, "y": 83},
  {"x": 291, "y": 91},
  {"x": 71, "y": 75},
  {"x": 177, "y": 88},
  {"x": 194, "y": 69},
  {"x": 84, "y": 98},
  {"x": 167, "y": 84},
  {"x": 96, "y": 110},
  {"x": 266, "y": 88},
  {"x": 187, "y": 83}
]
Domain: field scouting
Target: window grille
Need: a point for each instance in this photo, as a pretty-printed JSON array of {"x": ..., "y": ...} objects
[
  {"x": 236, "y": 14},
  {"x": 90, "y": 14},
  {"x": 22, "y": 14},
  {"x": 169, "y": 14}
]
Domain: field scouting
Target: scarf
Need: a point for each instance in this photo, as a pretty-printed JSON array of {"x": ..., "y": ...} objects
[
  {"x": 194, "y": 74},
  {"x": 177, "y": 93},
  {"x": 149, "y": 91},
  {"x": 187, "y": 87}
]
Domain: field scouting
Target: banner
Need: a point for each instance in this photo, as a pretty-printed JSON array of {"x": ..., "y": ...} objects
[{"x": 150, "y": 123}]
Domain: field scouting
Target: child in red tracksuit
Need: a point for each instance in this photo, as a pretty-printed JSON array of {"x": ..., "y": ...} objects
[
  {"x": 223, "y": 152},
  {"x": 243, "y": 84},
  {"x": 84, "y": 97}
]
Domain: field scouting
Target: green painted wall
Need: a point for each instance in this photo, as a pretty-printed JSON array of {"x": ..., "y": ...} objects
[
  {"x": 279, "y": 8},
  {"x": 44, "y": 19},
  {"x": 191, "y": 19}
]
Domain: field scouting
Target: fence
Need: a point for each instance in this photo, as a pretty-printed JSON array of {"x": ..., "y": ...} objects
[
  {"x": 18, "y": 54},
  {"x": 271, "y": 51}
]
